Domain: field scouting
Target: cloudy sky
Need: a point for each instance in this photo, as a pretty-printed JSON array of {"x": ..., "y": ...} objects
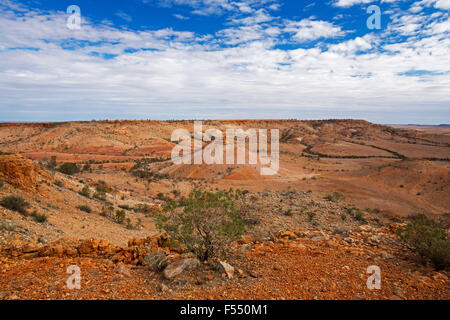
[{"x": 216, "y": 59}]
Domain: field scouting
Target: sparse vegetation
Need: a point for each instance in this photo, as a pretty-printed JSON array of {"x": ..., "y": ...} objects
[
  {"x": 69, "y": 168},
  {"x": 107, "y": 209},
  {"x": 143, "y": 208},
  {"x": 160, "y": 196},
  {"x": 15, "y": 203},
  {"x": 429, "y": 239},
  {"x": 85, "y": 208},
  {"x": 356, "y": 214},
  {"x": 334, "y": 197},
  {"x": 58, "y": 183},
  {"x": 311, "y": 215},
  {"x": 120, "y": 216},
  {"x": 85, "y": 192},
  {"x": 39, "y": 217},
  {"x": 205, "y": 223},
  {"x": 288, "y": 212}
]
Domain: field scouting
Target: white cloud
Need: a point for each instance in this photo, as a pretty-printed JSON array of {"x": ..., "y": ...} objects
[
  {"x": 180, "y": 16},
  {"x": 308, "y": 29},
  {"x": 349, "y": 3},
  {"x": 172, "y": 73}
]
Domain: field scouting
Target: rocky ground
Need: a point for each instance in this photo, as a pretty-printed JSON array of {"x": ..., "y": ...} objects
[{"x": 301, "y": 264}]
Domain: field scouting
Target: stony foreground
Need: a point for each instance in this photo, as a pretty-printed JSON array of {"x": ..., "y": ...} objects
[{"x": 306, "y": 264}]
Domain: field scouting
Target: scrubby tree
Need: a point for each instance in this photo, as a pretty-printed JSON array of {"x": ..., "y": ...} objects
[
  {"x": 205, "y": 223},
  {"x": 429, "y": 239}
]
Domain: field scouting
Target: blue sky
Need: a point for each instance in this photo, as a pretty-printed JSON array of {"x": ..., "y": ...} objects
[{"x": 219, "y": 59}]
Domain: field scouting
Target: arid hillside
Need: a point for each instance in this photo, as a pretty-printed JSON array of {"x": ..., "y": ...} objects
[
  {"x": 80, "y": 192},
  {"x": 396, "y": 170}
]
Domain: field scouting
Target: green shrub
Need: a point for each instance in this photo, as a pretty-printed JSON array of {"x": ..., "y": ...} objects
[
  {"x": 15, "y": 203},
  {"x": 107, "y": 210},
  {"x": 101, "y": 189},
  {"x": 429, "y": 239},
  {"x": 59, "y": 183},
  {"x": 40, "y": 218},
  {"x": 69, "y": 168},
  {"x": 288, "y": 212},
  {"x": 120, "y": 216},
  {"x": 311, "y": 215},
  {"x": 142, "y": 207},
  {"x": 359, "y": 217},
  {"x": 1, "y": 184},
  {"x": 85, "y": 192},
  {"x": 356, "y": 214},
  {"x": 160, "y": 196},
  {"x": 205, "y": 223},
  {"x": 85, "y": 208},
  {"x": 335, "y": 197}
]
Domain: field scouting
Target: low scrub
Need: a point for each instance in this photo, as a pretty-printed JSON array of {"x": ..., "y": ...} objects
[
  {"x": 39, "y": 217},
  {"x": 69, "y": 168},
  {"x": 429, "y": 239},
  {"x": 85, "y": 192},
  {"x": 120, "y": 216},
  {"x": 205, "y": 223},
  {"x": 85, "y": 208},
  {"x": 15, "y": 203}
]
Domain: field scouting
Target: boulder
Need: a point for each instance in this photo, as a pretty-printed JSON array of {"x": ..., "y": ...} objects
[
  {"x": 180, "y": 266},
  {"x": 227, "y": 268}
]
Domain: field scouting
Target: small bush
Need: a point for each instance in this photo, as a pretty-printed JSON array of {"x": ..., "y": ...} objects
[
  {"x": 107, "y": 210},
  {"x": 59, "y": 183},
  {"x": 360, "y": 217},
  {"x": 205, "y": 223},
  {"x": 335, "y": 197},
  {"x": 160, "y": 196},
  {"x": 311, "y": 215},
  {"x": 357, "y": 214},
  {"x": 288, "y": 212},
  {"x": 85, "y": 192},
  {"x": 429, "y": 239},
  {"x": 39, "y": 218},
  {"x": 120, "y": 216},
  {"x": 15, "y": 203},
  {"x": 85, "y": 208},
  {"x": 101, "y": 189},
  {"x": 69, "y": 168},
  {"x": 142, "y": 207},
  {"x": 1, "y": 184}
]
